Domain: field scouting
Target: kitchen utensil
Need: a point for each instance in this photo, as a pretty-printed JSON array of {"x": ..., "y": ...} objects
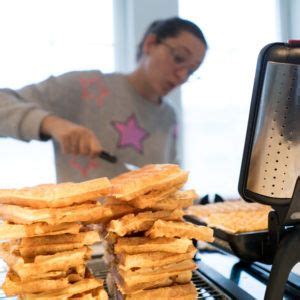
[
  {"x": 108, "y": 157},
  {"x": 130, "y": 167},
  {"x": 271, "y": 167},
  {"x": 113, "y": 159}
]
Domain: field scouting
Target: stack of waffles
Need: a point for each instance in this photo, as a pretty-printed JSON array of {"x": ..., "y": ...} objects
[
  {"x": 47, "y": 244},
  {"x": 150, "y": 252}
]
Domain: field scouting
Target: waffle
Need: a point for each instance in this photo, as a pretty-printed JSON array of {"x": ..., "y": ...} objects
[
  {"x": 82, "y": 286},
  {"x": 159, "y": 290},
  {"x": 144, "y": 278},
  {"x": 113, "y": 211},
  {"x": 87, "y": 212},
  {"x": 202, "y": 211},
  {"x": 95, "y": 294},
  {"x": 27, "y": 269},
  {"x": 168, "y": 201},
  {"x": 133, "y": 245},
  {"x": 151, "y": 196},
  {"x": 14, "y": 286},
  {"x": 184, "y": 291},
  {"x": 86, "y": 237},
  {"x": 240, "y": 221},
  {"x": 142, "y": 275},
  {"x": 56, "y": 195},
  {"x": 141, "y": 221},
  {"x": 45, "y": 245},
  {"x": 28, "y": 252},
  {"x": 233, "y": 216},
  {"x": 152, "y": 259},
  {"x": 17, "y": 231},
  {"x": 170, "y": 229},
  {"x": 150, "y": 178},
  {"x": 125, "y": 289}
]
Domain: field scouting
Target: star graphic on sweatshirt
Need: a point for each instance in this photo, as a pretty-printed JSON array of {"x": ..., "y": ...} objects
[
  {"x": 93, "y": 89},
  {"x": 131, "y": 134},
  {"x": 83, "y": 165}
]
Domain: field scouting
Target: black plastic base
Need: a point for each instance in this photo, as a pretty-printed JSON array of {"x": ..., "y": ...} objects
[{"x": 287, "y": 256}]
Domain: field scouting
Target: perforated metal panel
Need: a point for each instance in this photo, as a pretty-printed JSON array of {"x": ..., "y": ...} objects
[{"x": 275, "y": 158}]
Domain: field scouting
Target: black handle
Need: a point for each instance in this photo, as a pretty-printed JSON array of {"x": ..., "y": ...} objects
[{"x": 107, "y": 156}]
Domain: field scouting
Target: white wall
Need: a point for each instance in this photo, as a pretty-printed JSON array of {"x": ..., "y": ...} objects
[
  {"x": 289, "y": 19},
  {"x": 132, "y": 17}
]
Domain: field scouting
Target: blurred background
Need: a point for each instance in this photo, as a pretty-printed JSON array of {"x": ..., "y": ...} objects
[{"x": 40, "y": 38}]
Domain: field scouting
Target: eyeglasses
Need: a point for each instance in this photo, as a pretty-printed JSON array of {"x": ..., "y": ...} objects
[{"x": 180, "y": 57}]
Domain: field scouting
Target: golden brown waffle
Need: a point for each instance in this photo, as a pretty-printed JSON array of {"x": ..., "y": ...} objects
[
  {"x": 150, "y": 178},
  {"x": 147, "y": 199},
  {"x": 171, "y": 229},
  {"x": 95, "y": 294},
  {"x": 240, "y": 221},
  {"x": 141, "y": 221},
  {"x": 31, "y": 247},
  {"x": 182, "y": 291},
  {"x": 17, "y": 231},
  {"x": 115, "y": 285},
  {"x": 29, "y": 268},
  {"x": 87, "y": 212},
  {"x": 224, "y": 207},
  {"x": 133, "y": 245},
  {"x": 28, "y": 252},
  {"x": 79, "y": 270},
  {"x": 183, "y": 277},
  {"x": 14, "y": 286},
  {"x": 113, "y": 211},
  {"x": 233, "y": 216},
  {"x": 86, "y": 237},
  {"x": 169, "y": 201},
  {"x": 176, "y": 292},
  {"x": 56, "y": 195},
  {"x": 152, "y": 259},
  {"x": 133, "y": 280},
  {"x": 78, "y": 287}
]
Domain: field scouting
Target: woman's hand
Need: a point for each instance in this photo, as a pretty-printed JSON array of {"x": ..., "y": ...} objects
[{"x": 72, "y": 138}]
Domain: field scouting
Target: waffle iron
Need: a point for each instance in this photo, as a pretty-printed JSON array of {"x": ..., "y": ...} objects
[{"x": 270, "y": 170}]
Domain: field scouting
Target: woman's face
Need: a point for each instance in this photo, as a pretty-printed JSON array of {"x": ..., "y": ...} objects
[{"x": 169, "y": 63}]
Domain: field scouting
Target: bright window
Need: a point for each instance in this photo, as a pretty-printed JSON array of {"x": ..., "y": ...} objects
[
  {"x": 216, "y": 101},
  {"x": 39, "y": 39}
]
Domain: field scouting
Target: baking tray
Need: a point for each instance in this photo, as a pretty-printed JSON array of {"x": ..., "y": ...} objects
[{"x": 248, "y": 246}]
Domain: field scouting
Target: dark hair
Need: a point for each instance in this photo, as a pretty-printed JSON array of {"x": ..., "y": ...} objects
[{"x": 171, "y": 27}]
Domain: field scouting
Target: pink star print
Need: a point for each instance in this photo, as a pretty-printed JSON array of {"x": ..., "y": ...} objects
[
  {"x": 93, "y": 89},
  {"x": 83, "y": 168},
  {"x": 131, "y": 134}
]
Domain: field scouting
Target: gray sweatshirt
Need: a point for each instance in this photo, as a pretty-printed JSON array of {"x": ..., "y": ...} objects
[{"x": 134, "y": 129}]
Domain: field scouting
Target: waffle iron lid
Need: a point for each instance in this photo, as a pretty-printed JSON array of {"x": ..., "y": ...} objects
[{"x": 271, "y": 165}]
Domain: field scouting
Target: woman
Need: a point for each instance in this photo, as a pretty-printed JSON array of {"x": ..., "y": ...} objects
[{"x": 86, "y": 112}]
